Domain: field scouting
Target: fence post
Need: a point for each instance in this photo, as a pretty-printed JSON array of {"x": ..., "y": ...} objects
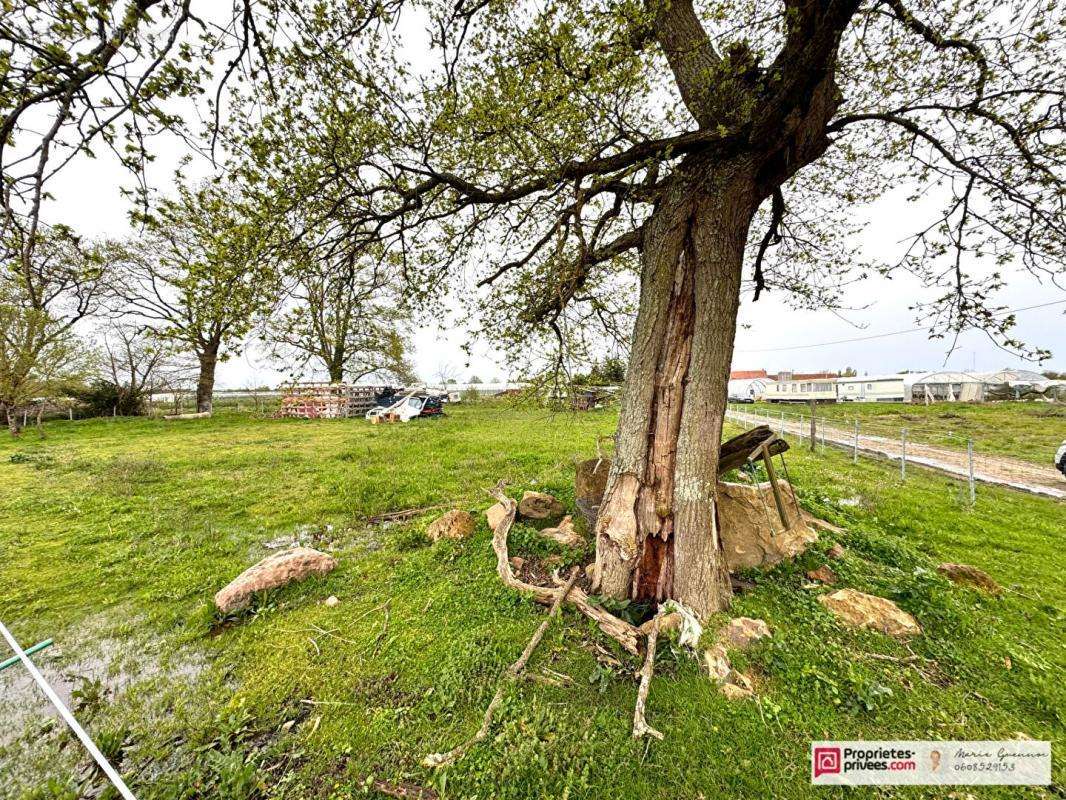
[
  {"x": 814, "y": 428},
  {"x": 70, "y": 413},
  {"x": 903, "y": 455},
  {"x": 855, "y": 447},
  {"x": 969, "y": 458}
]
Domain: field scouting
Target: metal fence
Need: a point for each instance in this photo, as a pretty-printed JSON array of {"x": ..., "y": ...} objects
[{"x": 912, "y": 445}]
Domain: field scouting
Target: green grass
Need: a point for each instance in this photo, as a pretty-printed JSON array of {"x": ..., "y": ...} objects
[
  {"x": 114, "y": 535},
  {"x": 1026, "y": 431}
]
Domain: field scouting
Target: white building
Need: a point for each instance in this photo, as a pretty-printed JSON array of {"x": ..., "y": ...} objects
[{"x": 743, "y": 389}]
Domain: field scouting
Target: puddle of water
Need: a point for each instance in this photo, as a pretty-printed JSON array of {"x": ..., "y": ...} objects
[{"x": 115, "y": 664}]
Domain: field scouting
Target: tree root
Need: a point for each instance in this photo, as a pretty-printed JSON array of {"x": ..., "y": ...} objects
[
  {"x": 509, "y": 677},
  {"x": 621, "y": 631}
]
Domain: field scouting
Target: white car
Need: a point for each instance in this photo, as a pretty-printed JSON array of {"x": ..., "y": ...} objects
[
  {"x": 408, "y": 410},
  {"x": 1060, "y": 459}
]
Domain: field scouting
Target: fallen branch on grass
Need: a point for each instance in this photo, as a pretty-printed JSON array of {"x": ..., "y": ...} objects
[
  {"x": 400, "y": 516},
  {"x": 509, "y": 677},
  {"x": 195, "y": 415},
  {"x": 641, "y": 727},
  {"x": 619, "y": 630}
]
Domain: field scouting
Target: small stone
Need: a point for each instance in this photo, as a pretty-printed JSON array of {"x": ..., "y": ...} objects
[
  {"x": 965, "y": 575},
  {"x": 740, "y": 679},
  {"x": 517, "y": 562},
  {"x": 836, "y": 551},
  {"x": 494, "y": 515},
  {"x": 734, "y": 692},
  {"x": 564, "y": 534},
  {"x": 823, "y": 574},
  {"x": 453, "y": 525},
  {"x": 331, "y": 601},
  {"x": 717, "y": 663},
  {"x": 860, "y": 610},
  {"x": 538, "y": 505},
  {"x": 742, "y": 631}
]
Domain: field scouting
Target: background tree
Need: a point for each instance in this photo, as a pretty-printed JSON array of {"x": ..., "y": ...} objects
[
  {"x": 198, "y": 278},
  {"x": 576, "y": 142},
  {"x": 42, "y": 300},
  {"x": 131, "y": 367},
  {"x": 342, "y": 316}
]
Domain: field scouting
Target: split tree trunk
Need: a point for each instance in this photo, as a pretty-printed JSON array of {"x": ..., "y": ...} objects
[
  {"x": 205, "y": 384},
  {"x": 657, "y": 530}
]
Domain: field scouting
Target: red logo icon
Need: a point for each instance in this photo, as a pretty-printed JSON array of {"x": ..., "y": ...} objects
[{"x": 826, "y": 760}]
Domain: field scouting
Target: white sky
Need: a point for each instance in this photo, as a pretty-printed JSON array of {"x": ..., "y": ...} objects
[{"x": 89, "y": 199}]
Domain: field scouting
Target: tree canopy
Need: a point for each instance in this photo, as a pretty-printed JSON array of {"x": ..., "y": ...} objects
[{"x": 545, "y": 134}]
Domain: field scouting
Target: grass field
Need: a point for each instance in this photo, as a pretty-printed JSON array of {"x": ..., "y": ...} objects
[
  {"x": 114, "y": 535},
  {"x": 1026, "y": 431}
]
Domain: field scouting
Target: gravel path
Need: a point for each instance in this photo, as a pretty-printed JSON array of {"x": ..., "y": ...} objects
[{"x": 998, "y": 470}]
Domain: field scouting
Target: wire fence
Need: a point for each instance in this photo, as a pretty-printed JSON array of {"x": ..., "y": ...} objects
[{"x": 908, "y": 445}]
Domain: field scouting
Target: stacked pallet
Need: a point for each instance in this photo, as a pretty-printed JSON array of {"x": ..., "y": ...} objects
[{"x": 326, "y": 400}]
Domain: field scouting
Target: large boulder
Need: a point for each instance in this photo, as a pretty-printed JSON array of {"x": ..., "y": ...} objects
[
  {"x": 274, "y": 571},
  {"x": 453, "y": 525},
  {"x": 751, "y": 528},
  {"x": 538, "y": 505},
  {"x": 965, "y": 575},
  {"x": 859, "y": 610},
  {"x": 590, "y": 482}
]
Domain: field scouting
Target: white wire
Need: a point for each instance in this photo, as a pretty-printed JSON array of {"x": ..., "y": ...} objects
[{"x": 112, "y": 775}]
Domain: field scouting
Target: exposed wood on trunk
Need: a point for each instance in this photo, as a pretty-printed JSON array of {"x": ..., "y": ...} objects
[
  {"x": 509, "y": 677},
  {"x": 657, "y": 530}
]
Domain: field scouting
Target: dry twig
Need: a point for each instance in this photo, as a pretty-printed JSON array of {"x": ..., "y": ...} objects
[
  {"x": 641, "y": 727},
  {"x": 618, "y": 629},
  {"x": 509, "y": 677}
]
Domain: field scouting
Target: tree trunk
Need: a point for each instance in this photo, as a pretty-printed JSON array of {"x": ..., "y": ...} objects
[
  {"x": 657, "y": 532},
  {"x": 205, "y": 385},
  {"x": 13, "y": 420},
  {"x": 336, "y": 371}
]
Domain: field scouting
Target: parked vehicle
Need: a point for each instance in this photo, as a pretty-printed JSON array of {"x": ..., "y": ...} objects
[
  {"x": 417, "y": 405},
  {"x": 1060, "y": 459}
]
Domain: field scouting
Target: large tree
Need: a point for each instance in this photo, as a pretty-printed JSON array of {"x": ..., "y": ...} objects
[
  {"x": 341, "y": 314},
  {"x": 549, "y": 149},
  {"x": 198, "y": 278}
]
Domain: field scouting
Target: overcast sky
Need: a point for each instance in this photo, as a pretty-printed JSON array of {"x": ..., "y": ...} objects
[{"x": 771, "y": 335}]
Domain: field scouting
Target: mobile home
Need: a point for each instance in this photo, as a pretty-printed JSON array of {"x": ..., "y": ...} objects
[
  {"x": 873, "y": 389},
  {"x": 820, "y": 390}
]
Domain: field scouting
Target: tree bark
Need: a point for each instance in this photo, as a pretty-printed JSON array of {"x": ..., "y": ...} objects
[
  {"x": 657, "y": 531},
  {"x": 13, "y": 420},
  {"x": 205, "y": 384},
  {"x": 336, "y": 371}
]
